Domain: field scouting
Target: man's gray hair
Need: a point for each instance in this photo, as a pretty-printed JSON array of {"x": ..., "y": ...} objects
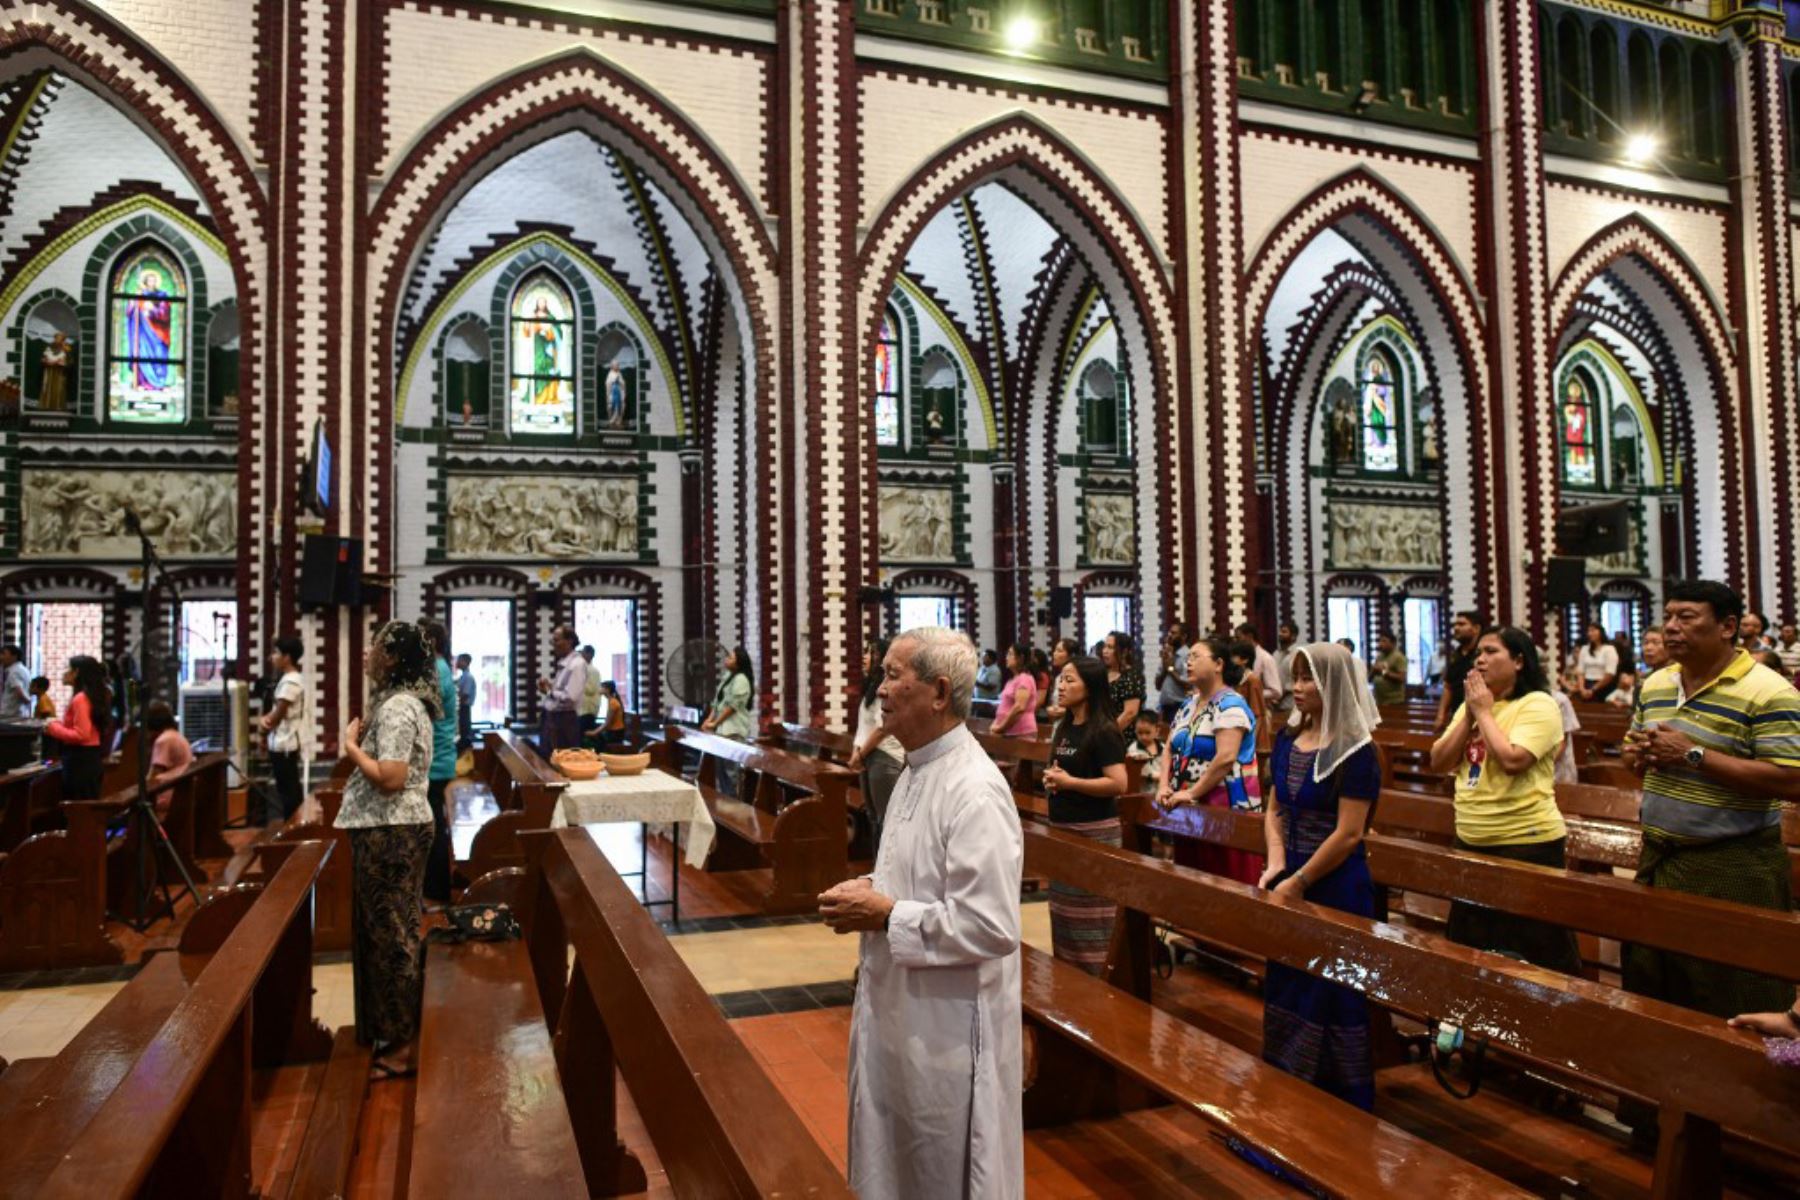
[{"x": 945, "y": 654}]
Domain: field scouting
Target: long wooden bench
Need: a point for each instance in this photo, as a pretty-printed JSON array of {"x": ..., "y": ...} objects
[
  {"x": 789, "y": 815},
  {"x": 1565, "y": 1024},
  {"x": 1021, "y": 760},
  {"x": 810, "y": 741},
  {"x": 1093, "y": 1037},
  {"x": 720, "y": 1126},
  {"x": 526, "y": 789},
  {"x": 29, "y": 797},
  {"x": 154, "y": 1095}
]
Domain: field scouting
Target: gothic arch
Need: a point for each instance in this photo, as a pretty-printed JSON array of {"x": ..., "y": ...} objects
[
  {"x": 1665, "y": 278},
  {"x": 1081, "y": 203},
  {"x": 1441, "y": 310}
]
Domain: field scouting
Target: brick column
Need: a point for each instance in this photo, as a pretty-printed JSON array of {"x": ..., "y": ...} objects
[
  {"x": 1214, "y": 558},
  {"x": 1762, "y": 247},
  {"x": 825, "y": 553},
  {"x": 1515, "y": 276}
]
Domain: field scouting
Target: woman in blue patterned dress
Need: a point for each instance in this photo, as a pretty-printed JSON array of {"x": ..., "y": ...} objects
[
  {"x": 1211, "y": 761},
  {"x": 1326, "y": 776}
]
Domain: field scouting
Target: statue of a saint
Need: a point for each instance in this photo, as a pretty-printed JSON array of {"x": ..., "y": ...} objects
[{"x": 53, "y": 395}]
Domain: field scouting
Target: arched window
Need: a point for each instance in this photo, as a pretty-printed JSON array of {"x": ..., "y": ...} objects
[
  {"x": 1626, "y": 454},
  {"x": 543, "y": 356},
  {"x": 146, "y": 361},
  {"x": 1380, "y": 414},
  {"x": 1450, "y": 46},
  {"x": 1603, "y": 53},
  {"x": 887, "y": 381},
  {"x": 1100, "y": 409},
  {"x": 1580, "y": 446}
]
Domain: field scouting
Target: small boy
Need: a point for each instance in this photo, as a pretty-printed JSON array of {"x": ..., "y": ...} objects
[
  {"x": 1624, "y": 693},
  {"x": 42, "y": 707},
  {"x": 1146, "y": 748}
]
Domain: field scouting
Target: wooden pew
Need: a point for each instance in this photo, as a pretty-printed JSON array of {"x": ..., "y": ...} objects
[
  {"x": 810, "y": 741},
  {"x": 1021, "y": 760},
  {"x": 721, "y": 1127},
  {"x": 53, "y": 896},
  {"x": 204, "y": 776},
  {"x": 526, "y": 788},
  {"x": 1630, "y": 1043},
  {"x": 795, "y": 820},
  {"x": 155, "y": 1098},
  {"x": 1406, "y": 762},
  {"x": 333, "y": 894},
  {"x": 29, "y": 796},
  {"x": 1092, "y": 1038}
]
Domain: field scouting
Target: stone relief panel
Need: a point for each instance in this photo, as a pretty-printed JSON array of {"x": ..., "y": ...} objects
[
  {"x": 542, "y": 516},
  {"x": 1111, "y": 534},
  {"x": 81, "y": 512},
  {"x": 916, "y": 523},
  {"x": 1382, "y": 535}
]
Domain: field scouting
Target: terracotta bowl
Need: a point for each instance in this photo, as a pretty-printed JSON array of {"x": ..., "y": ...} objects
[
  {"x": 625, "y": 764},
  {"x": 579, "y": 770}
]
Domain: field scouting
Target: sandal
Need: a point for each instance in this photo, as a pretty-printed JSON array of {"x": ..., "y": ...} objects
[{"x": 380, "y": 1072}]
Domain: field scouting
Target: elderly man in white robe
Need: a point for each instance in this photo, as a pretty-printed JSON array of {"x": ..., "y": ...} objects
[{"x": 935, "y": 1058}]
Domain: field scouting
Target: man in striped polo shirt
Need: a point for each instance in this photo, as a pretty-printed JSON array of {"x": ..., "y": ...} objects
[{"x": 1716, "y": 737}]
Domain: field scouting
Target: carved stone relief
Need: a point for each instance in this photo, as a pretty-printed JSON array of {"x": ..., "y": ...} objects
[
  {"x": 1111, "y": 534},
  {"x": 81, "y": 512},
  {"x": 1382, "y": 535},
  {"x": 541, "y": 516},
  {"x": 916, "y": 523}
]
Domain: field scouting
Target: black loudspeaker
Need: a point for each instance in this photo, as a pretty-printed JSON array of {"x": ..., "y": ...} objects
[
  {"x": 1594, "y": 530},
  {"x": 1062, "y": 603},
  {"x": 874, "y": 595},
  {"x": 1566, "y": 582},
  {"x": 330, "y": 571}
]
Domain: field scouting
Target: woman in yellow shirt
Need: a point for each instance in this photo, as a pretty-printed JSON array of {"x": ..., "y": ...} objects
[{"x": 1503, "y": 743}]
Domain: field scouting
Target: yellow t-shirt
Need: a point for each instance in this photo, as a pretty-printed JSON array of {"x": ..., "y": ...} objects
[{"x": 1499, "y": 809}]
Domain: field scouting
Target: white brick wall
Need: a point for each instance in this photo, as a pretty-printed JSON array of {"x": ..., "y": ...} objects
[
  {"x": 211, "y": 42},
  {"x": 1574, "y": 215},
  {"x": 906, "y": 122}
]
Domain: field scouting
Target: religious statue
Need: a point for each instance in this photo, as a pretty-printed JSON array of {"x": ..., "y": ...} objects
[
  {"x": 1109, "y": 528},
  {"x": 916, "y": 523},
  {"x": 615, "y": 396},
  {"x": 1385, "y": 536},
  {"x": 53, "y": 395},
  {"x": 1344, "y": 430},
  {"x": 934, "y": 424}
]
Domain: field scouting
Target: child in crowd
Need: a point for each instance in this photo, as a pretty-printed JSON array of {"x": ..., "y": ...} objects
[
  {"x": 43, "y": 708},
  {"x": 170, "y": 754},
  {"x": 1624, "y": 693},
  {"x": 1146, "y": 749}
]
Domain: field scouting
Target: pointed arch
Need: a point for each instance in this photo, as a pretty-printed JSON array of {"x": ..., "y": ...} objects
[
  {"x": 1716, "y": 433},
  {"x": 526, "y": 106},
  {"x": 1079, "y": 201},
  {"x": 1438, "y": 302}
]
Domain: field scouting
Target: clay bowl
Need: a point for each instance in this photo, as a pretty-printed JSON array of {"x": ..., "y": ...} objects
[
  {"x": 576, "y": 769},
  {"x": 625, "y": 764}
]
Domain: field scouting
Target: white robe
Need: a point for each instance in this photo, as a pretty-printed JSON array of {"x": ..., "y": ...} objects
[{"x": 935, "y": 1059}]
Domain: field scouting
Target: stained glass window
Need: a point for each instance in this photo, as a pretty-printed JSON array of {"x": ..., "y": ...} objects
[
  {"x": 1581, "y": 453},
  {"x": 887, "y": 383},
  {"x": 146, "y": 364},
  {"x": 543, "y": 356},
  {"x": 1380, "y": 416}
]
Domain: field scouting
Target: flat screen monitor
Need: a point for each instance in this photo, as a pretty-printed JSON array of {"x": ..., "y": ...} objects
[{"x": 319, "y": 493}]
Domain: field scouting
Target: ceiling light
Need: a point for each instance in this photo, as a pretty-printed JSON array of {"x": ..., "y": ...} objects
[
  {"x": 1641, "y": 149},
  {"x": 1021, "y": 32}
]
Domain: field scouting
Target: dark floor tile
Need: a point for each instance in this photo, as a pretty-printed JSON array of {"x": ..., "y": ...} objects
[
  {"x": 743, "y": 1004},
  {"x": 789, "y": 999},
  {"x": 832, "y": 995}
]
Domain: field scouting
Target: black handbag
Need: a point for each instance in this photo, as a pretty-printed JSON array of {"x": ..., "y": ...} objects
[{"x": 477, "y": 923}]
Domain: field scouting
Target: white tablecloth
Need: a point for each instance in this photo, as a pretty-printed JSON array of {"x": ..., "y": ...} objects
[{"x": 655, "y": 798}]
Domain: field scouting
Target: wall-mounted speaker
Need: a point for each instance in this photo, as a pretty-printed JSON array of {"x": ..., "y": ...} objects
[
  {"x": 1062, "y": 603},
  {"x": 330, "y": 571},
  {"x": 1565, "y": 581}
]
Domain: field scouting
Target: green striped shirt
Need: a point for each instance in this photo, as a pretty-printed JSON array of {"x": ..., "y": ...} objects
[{"x": 1749, "y": 711}]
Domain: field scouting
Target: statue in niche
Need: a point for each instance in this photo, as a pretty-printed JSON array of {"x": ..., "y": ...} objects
[
  {"x": 54, "y": 395},
  {"x": 1110, "y": 536},
  {"x": 1383, "y": 535},
  {"x": 534, "y": 516},
  {"x": 934, "y": 424},
  {"x": 916, "y": 523},
  {"x": 1345, "y": 430},
  {"x": 615, "y": 396},
  {"x": 187, "y": 514}
]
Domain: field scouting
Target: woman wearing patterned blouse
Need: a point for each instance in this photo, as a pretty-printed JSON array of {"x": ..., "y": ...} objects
[
  {"x": 388, "y": 818},
  {"x": 1211, "y": 760},
  {"x": 1125, "y": 676}
]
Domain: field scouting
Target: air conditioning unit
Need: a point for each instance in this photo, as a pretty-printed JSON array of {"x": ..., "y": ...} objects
[{"x": 205, "y": 712}]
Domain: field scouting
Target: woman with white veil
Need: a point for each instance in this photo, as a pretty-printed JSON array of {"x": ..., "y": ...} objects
[{"x": 1326, "y": 775}]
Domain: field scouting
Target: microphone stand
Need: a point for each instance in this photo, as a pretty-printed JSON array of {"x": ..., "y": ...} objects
[{"x": 151, "y": 836}]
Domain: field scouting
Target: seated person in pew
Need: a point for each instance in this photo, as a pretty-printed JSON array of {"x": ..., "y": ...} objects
[
  {"x": 1144, "y": 754},
  {"x": 1503, "y": 743},
  {"x": 169, "y": 753},
  {"x": 1326, "y": 775},
  {"x": 1716, "y": 737},
  {"x": 612, "y": 716},
  {"x": 1084, "y": 781},
  {"x": 876, "y": 754},
  {"x": 1211, "y": 761},
  {"x": 1624, "y": 693},
  {"x": 936, "y": 1059},
  {"x": 388, "y": 818}
]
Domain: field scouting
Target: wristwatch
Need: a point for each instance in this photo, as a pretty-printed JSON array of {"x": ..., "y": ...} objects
[{"x": 1694, "y": 755}]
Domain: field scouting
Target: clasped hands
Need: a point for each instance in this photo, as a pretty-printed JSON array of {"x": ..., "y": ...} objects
[
  {"x": 1656, "y": 746},
  {"x": 854, "y": 906},
  {"x": 1167, "y": 799}
]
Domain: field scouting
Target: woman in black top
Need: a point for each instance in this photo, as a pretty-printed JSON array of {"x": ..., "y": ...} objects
[
  {"x": 1085, "y": 779},
  {"x": 1125, "y": 678}
]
